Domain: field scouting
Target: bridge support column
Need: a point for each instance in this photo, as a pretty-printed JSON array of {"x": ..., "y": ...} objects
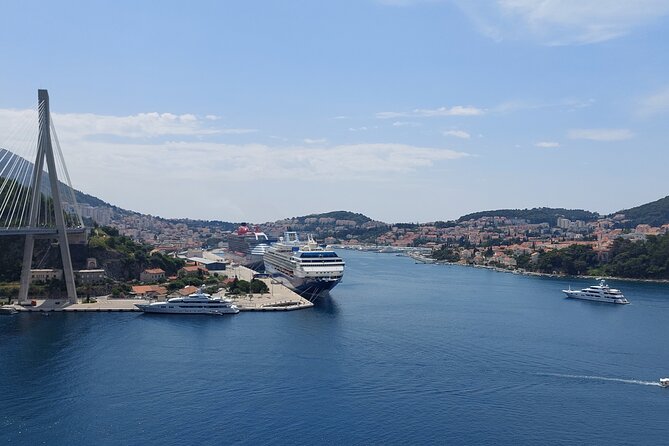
[
  {"x": 45, "y": 153},
  {"x": 25, "y": 270}
]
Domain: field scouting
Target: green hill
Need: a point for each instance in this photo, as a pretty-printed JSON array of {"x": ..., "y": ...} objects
[
  {"x": 655, "y": 213},
  {"x": 535, "y": 215},
  {"x": 340, "y": 215}
]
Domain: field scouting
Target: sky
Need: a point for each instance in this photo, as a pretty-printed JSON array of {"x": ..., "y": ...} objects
[{"x": 404, "y": 110}]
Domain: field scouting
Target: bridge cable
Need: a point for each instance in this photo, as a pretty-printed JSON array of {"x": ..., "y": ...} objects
[
  {"x": 27, "y": 203},
  {"x": 67, "y": 174},
  {"x": 10, "y": 166}
]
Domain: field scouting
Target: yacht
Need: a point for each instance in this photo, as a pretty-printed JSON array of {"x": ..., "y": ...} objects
[
  {"x": 664, "y": 382},
  {"x": 8, "y": 309},
  {"x": 598, "y": 293},
  {"x": 307, "y": 268},
  {"x": 248, "y": 246},
  {"x": 196, "y": 303}
]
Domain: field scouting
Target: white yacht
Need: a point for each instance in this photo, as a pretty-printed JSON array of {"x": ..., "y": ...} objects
[
  {"x": 196, "y": 303},
  {"x": 8, "y": 309},
  {"x": 309, "y": 269},
  {"x": 598, "y": 293},
  {"x": 664, "y": 382}
]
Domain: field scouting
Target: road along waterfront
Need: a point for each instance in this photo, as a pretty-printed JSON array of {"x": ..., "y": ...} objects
[{"x": 279, "y": 298}]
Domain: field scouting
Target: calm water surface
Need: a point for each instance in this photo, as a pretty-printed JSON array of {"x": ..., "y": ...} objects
[{"x": 401, "y": 353}]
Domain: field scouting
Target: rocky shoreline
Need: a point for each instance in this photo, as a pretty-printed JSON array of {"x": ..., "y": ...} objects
[{"x": 560, "y": 276}]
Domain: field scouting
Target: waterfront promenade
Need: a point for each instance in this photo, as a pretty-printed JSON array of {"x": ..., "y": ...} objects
[{"x": 279, "y": 298}]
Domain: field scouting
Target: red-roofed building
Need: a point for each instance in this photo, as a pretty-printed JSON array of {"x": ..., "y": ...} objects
[
  {"x": 149, "y": 291},
  {"x": 190, "y": 289},
  {"x": 192, "y": 270},
  {"x": 152, "y": 275}
]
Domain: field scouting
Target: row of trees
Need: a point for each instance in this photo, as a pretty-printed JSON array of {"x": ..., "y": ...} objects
[{"x": 647, "y": 259}]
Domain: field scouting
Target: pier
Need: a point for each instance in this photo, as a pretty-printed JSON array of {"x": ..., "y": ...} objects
[{"x": 280, "y": 298}]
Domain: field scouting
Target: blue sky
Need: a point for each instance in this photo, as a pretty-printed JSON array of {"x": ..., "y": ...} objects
[{"x": 405, "y": 110}]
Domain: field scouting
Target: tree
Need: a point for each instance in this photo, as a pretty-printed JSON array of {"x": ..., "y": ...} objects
[
  {"x": 258, "y": 287},
  {"x": 239, "y": 286}
]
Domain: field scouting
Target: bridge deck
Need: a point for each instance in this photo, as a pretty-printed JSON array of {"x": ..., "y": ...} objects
[{"x": 38, "y": 231}]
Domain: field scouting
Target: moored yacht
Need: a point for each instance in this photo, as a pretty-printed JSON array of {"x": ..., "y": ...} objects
[
  {"x": 598, "y": 293},
  {"x": 307, "y": 268},
  {"x": 8, "y": 309},
  {"x": 196, "y": 303}
]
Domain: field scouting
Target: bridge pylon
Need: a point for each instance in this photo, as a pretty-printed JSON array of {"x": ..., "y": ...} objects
[{"x": 45, "y": 154}]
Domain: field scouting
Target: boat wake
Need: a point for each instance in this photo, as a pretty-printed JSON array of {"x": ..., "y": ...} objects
[{"x": 605, "y": 378}]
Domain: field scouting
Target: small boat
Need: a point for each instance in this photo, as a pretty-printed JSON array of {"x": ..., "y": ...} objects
[
  {"x": 664, "y": 382},
  {"x": 6, "y": 309}
]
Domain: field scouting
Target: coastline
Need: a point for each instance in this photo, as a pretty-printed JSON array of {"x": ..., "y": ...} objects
[{"x": 555, "y": 276}]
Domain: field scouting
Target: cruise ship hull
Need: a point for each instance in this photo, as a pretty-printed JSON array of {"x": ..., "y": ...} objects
[
  {"x": 305, "y": 286},
  {"x": 251, "y": 261},
  {"x": 248, "y": 248}
]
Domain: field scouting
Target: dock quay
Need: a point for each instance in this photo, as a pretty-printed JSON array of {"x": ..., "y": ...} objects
[{"x": 280, "y": 298}]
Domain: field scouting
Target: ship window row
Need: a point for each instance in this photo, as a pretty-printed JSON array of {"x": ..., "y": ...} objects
[
  {"x": 322, "y": 261},
  {"x": 306, "y": 255}
]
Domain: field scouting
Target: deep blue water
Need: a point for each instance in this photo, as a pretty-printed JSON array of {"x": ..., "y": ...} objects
[{"x": 401, "y": 353}]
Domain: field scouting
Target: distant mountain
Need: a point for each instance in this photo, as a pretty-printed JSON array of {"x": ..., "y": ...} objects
[
  {"x": 84, "y": 198},
  {"x": 341, "y": 215},
  {"x": 535, "y": 215},
  {"x": 655, "y": 213},
  {"x": 347, "y": 225},
  {"x": 9, "y": 159},
  {"x": 340, "y": 225}
]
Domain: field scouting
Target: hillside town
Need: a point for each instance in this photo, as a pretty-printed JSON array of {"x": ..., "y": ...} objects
[{"x": 486, "y": 240}]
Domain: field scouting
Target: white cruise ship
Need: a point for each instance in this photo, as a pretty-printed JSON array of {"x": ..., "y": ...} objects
[
  {"x": 598, "y": 293},
  {"x": 196, "y": 303},
  {"x": 308, "y": 269},
  {"x": 248, "y": 246}
]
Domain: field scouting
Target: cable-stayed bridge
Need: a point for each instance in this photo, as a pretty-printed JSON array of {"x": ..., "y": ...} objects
[{"x": 33, "y": 201}]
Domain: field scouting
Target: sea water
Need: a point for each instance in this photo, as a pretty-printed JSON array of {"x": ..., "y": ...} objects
[{"x": 400, "y": 353}]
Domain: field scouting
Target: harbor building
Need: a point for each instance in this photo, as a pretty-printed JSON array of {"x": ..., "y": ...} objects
[
  {"x": 43, "y": 275},
  {"x": 152, "y": 275}
]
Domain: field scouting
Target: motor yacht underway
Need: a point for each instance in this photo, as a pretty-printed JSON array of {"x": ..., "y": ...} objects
[
  {"x": 598, "y": 293},
  {"x": 196, "y": 303},
  {"x": 308, "y": 269},
  {"x": 664, "y": 382}
]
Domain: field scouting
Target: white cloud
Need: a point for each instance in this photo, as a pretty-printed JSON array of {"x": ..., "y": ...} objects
[
  {"x": 405, "y": 2},
  {"x": 601, "y": 134},
  {"x": 357, "y": 129},
  {"x": 568, "y": 104},
  {"x": 190, "y": 161},
  {"x": 141, "y": 125},
  {"x": 562, "y": 22},
  {"x": 123, "y": 159},
  {"x": 547, "y": 144},
  {"x": 406, "y": 124},
  {"x": 458, "y": 134},
  {"x": 657, "y": 102},
  {"x": 458, "y": 110}
]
